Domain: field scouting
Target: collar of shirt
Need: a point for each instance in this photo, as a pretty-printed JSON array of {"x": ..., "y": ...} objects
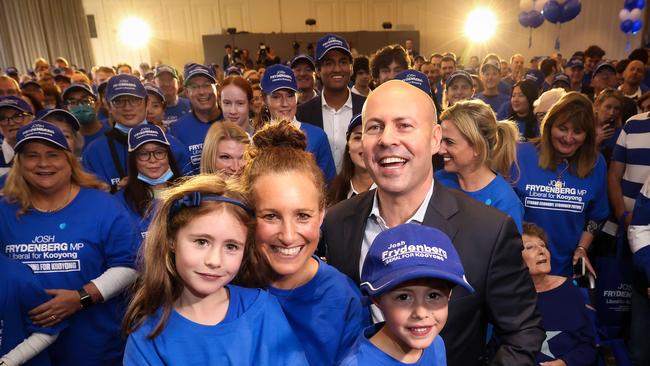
[
  {"x": 296, "y": 123},
  {"x": 7, "y": 151},
  {"x": 636, "y": 95},
  {"x": 353, "y": 192},
  {"x": 418, "y": 216},
  {"x": 348, "y": 103}
]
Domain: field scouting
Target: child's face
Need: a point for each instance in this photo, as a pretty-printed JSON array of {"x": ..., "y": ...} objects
[
  {"x": 209, "y": 251},
  {"x": 415, "y": 311}
]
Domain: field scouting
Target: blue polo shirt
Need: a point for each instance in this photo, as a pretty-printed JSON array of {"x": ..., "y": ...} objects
[
  {"x": 191, "y": 132},
  {"x": 174, "y": 113}
]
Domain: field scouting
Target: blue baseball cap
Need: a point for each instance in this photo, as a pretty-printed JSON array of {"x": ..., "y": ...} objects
[
  {"x": 604, "y": 66},
  {"x": 78, "y": 86},
  {"x": 61, "y": 113},
  {"x": 191, "y": 70},
  {"x": 410, "y": 251},
  {"x": 11, "y": 71},
  {"x": 15, "y": 103},
  {"x": 143, "y": 133},
  {"x": 459, "y": 74},
  {"x": 575, "y": 62},
  {"x": 40, "y": 130},
  {"x": 561, "y": 78},
  {"x": 354, "y": 122},
  {"x": 278, "y": 77},
  {"x": 536, "y": 76},
  {"x": 124, "y": 84},
  {"x": 415, "y": 78},
  {"x": 27, "y": 83},
  {"x": 233, "y": 70},
  {"x": 303, "y": 58},
  {"x": 161, "y": 69},
  {"x": 331, "y": 42},
  {"x": 151, "y": 88},
  {"x": 491, "y": 62}
]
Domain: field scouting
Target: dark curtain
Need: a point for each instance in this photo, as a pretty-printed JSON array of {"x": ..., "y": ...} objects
[{"x": 43, "y": 28}]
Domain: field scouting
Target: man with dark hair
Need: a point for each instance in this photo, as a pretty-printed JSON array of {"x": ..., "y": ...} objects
[
  {"x": 408, "y": 46},
  {"x": 228, "y": 58},
  {"x": 575, "y": 70},
  {"x": 592, "y": 57},
  {"x": 548, "y": 67},
  {"x": 447, "y": 66},
  {"x": 387, "y": 62},
  {"x": 333, "y": 109},
  {"x": 361, "y": 76}
]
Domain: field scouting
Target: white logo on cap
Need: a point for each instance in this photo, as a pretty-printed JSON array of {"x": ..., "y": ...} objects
[
  {"x": 281, "y": 75},
  {"x": 401, "y": 250},
  {"x": 332, "y": 41},
  {"x": 412, "y": 78},
  {"x": 40, "y": 130}
]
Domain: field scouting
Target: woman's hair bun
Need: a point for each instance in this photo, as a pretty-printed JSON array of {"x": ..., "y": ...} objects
[{"x": 280, "y": 134}]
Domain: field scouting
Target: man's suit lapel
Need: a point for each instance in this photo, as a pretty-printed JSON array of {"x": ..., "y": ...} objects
[
  {"x": 442, "y": 207},
  {"x": 354, "y": 225}
]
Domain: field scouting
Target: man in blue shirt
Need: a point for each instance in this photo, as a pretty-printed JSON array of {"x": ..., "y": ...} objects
[
  {"x": 167, "y": 80},
  {"x": 201, "y": 85},
  {"x": 491, "y": 77},
  {"x": 80, "y": 100}
]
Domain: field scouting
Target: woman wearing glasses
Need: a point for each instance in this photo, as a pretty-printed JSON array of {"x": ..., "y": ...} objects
[
  {"x": 151, "y": 168},
  {"x": 14, "y": 113}
]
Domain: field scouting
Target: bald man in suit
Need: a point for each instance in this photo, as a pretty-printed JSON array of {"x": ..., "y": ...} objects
[{"x": 400, "y": 134}]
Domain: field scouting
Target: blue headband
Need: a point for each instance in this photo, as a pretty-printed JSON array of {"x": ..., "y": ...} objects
[{"x": 194, "y": 199}]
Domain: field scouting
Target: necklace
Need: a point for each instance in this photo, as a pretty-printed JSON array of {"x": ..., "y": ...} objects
[
  {"x": 57, "y": 208},
  {"x": 558, "y": 180}
]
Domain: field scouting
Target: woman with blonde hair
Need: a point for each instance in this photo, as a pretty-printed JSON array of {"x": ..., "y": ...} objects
[
  {"x": 562, "y": 181},
  {"x": 223, "y": 149},
  {"x": 82, "y": 244},
  {"x": 478, "y": 153}
]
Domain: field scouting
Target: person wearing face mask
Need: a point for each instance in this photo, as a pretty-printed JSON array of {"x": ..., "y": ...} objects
[
  {"x": 80, "y": 100},
  {"x": 106, "y": 156},
  {"x": 152, "y": 169}
]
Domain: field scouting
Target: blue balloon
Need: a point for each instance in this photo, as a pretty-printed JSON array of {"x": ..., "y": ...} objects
[
  {"x": 630, "y": 4},
  {"x": 524, "y": 19},
  {"x": 637, "y": 25},
  {"x": 626, "y": 26},
  {"x": 535, "y": 19},
  {"x": 640, "y": 4},
  {"x": 552, "y": 11},
  {"x": 570, "y": 10}
]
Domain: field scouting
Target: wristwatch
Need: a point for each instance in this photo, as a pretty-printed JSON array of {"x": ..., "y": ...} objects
[{"x": 85, "y": 299}]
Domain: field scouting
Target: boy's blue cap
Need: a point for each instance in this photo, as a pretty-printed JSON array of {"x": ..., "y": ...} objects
[
  {"x": 457, "y": 75},
  {"x": 15, "y": 103},
  {"x": 40, "y": 130},
  {"x": 191, "y": 70},
  {"x": 161, "y": 69},
  {"x": 354, "y": 122},
  {"x": 536, "y": 76},
  {"x": 415, "y": 78},
  {"x": 278, "y": 77},
  {"x": 603, "y": 66},
  {"x": 11, "y": 71},
  {"x": 303, "y": 58},
  {"x": 146, "y": 132},
  {"x": 233, "y": 70},
  {"x": 151, "y": 88},
  {"x": 63, "y": 76},
  {"x": 58, "y": 71},
  {"x": 407, "y": 252},
  {"x": 561, "y": 78},
  {"x": 124, "y": 84},
  {"x": 575, "y": 62},
  {"x": 330, "y": 42},
  {"x": 27, "y": 83},
  {"x": 78, "y": 86},
  {"x": 62, "y": 113}
]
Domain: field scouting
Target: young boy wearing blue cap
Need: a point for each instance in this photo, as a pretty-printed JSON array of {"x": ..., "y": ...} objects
[{"x": 409, "y": 274}]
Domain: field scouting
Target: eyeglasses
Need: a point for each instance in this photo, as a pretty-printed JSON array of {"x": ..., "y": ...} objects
[
  {"x": 146, "y": 155},
  {"x": 200, "y": 87},
  {"x": 70, "y": 103},
  {"x": 122, "y": 102},
  {"x": 16, "y": 118}
]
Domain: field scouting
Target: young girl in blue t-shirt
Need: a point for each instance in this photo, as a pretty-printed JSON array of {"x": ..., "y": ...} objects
[{"x": 185, "y": 311}]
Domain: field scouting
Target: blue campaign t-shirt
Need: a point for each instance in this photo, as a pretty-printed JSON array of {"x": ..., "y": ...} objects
[
  {"x": 98, "y": 160},
  {"x": 318, "y": 144},
  {"x": 570, "y": 334},
  {"x": 88, "y": 139},
  {"x": 364, "y": 353},
  {"x": 494, "y": 101},
  {"x": 560, "y": 202},
  {"x": 142, "y": 222},
  {"x": 68, "y": 248},
  {"x": 191, "y": 132},
  {"x": 21, "y": 292},
  {"x": 326, "y": 313},
  {"x": 253, "y": 332},
  {"x": 498, "y": 194},
  {"x": 174, "y": 113}
]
